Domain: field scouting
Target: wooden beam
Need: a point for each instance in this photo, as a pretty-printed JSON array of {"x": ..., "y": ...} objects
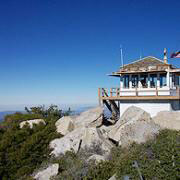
[
  {"x": 99, "y": 95},
  {"x": 114, "y": 106},
  {"x": 111, "y": 92},
  {"x": 107, "y": 105},
  {"x": 142, "y": 98}
]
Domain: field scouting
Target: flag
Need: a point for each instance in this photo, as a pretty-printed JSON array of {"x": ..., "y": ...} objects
[{"x": 175, "y": 55}]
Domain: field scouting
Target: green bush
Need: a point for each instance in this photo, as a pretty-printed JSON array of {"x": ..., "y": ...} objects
[
  {"x": 23, "y": 150},
  {"x": 157, "y": 159}
]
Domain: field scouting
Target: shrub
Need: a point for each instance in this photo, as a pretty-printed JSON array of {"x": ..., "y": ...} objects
[
  {"x": 157, "y": 159},
  {"x": 74, "y": 166},
  {"x": 23, "y": 150}
]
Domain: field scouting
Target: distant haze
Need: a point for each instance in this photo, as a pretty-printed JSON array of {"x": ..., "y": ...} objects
[
  {"x": 74, "y": 107},
  {"x": 21, "y": 107}
]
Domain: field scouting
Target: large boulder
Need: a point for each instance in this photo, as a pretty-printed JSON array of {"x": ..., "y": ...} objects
[
  {"x": 138, "y": 132},
  {"x": 131, "y": 115},
  {"x": 70, "y": 141},
  {"x": 134, "y": 113},
  {"x": 80, "y": 138},
  {"x": 46, "y": 174},
  {"x": 30, "y": 123},
  {"x": 91, "y": 118},
  {"x": 94, "y": 136},
  {"x": 168, "y": 120},
  {"x": 135, "y": 125},
  {"x": 65, "y": 125}
]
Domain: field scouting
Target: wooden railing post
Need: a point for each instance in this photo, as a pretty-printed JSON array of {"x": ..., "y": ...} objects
[
  {"x": 177, "y": 91},
  {"x": 99, "y": 95},
  {"x": 103, "y": 92},
  {"x": 116, "y": 92},
  {"x": 136, "y": 92},
  {"x": 156, "y": 91},
  {"x": 99, "y": 92},
  {"x": 106, "y": 91},
  {"x": 111, "y": 92}
]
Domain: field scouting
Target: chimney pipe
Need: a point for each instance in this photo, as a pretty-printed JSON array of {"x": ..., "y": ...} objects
[{"x": 165, "y": 55}]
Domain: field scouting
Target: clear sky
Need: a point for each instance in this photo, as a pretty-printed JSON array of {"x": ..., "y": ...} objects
[{"x": 59, "y": 51}]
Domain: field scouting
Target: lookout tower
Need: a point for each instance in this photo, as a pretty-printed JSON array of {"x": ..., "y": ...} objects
[{"x": 149, "y": 83}]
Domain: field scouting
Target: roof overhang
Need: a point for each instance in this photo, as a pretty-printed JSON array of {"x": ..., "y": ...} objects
[
  {"x": 175, "y": 70},
  {"x": 117, "y": 74}
]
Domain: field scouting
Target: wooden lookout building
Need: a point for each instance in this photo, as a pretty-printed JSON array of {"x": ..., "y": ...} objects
[{"x": 149, "y": 83}]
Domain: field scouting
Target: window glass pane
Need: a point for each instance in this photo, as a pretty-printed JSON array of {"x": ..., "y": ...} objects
[
  {"x": 162, "y": 80},
  {"x": 144, "y": 80},
  {"x": 177, "y": 80},
  {"x": 134, "y": 81},
  {"x": 153, "y": 80},
  {"x": 126, "y": 81}
]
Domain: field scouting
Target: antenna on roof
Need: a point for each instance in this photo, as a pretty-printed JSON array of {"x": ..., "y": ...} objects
[
  {"x": 140, "y": 55},
  {"x": 122, "y": 64}
]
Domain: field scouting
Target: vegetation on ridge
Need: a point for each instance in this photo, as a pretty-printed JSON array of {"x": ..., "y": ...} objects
[
  {"x": 157, "y": 159},
  {"x": 23, "y": 150}
]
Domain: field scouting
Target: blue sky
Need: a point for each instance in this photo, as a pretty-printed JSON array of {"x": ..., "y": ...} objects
[{"x": 55, "y": 51}]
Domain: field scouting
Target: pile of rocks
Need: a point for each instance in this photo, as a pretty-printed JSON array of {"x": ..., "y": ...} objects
[{"x": 82, "y": 131}]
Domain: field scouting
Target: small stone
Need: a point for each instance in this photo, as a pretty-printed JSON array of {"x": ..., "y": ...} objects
[
  {"x": 31, "y": 122},
  {"x": 46, "y": 174}
]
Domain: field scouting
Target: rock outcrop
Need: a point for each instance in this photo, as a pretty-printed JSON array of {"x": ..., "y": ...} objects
[
  {"x": 135, "y": 125},
  {"x": 65, "y": 125},
  {"x": 46, "y": 174},
  {"x": 168, "y": 120},
  {"x": 32, "y": 122},
  {"x": 134, "y": 113},
  {"x": 79, "y": 131},
  {"x": 90, "y": 118},
  {"x": 80, "y": 138},
  {"x": 86, "y": 130}
]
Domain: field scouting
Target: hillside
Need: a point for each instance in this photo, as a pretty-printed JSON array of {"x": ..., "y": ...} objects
[
  {"x": 59, "y": 146},
  {"x": 4, "y": 113}
]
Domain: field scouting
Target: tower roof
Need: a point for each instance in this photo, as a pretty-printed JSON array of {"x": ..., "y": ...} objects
[
  {"x": 146, "y": 64},
  {"x": 143, "y": 63}
]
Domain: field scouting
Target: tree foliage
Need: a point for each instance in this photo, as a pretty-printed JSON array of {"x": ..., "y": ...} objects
[{"x": 23, "y": 150}]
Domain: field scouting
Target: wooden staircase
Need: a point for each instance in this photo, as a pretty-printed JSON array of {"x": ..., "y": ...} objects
[{"x": 112, "y": 106}]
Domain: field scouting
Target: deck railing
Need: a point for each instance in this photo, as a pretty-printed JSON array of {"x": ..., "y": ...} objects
[{"x": 117, "y": 92}]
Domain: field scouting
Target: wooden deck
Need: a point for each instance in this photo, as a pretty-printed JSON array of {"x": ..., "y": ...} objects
[
  {"x": 116, "y": 98},
  {"x": 115, "y": 94},
  {"x": 109, "y": 97}
]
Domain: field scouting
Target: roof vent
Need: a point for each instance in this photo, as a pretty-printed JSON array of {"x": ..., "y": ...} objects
[{"x": 165, "y": 55}]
